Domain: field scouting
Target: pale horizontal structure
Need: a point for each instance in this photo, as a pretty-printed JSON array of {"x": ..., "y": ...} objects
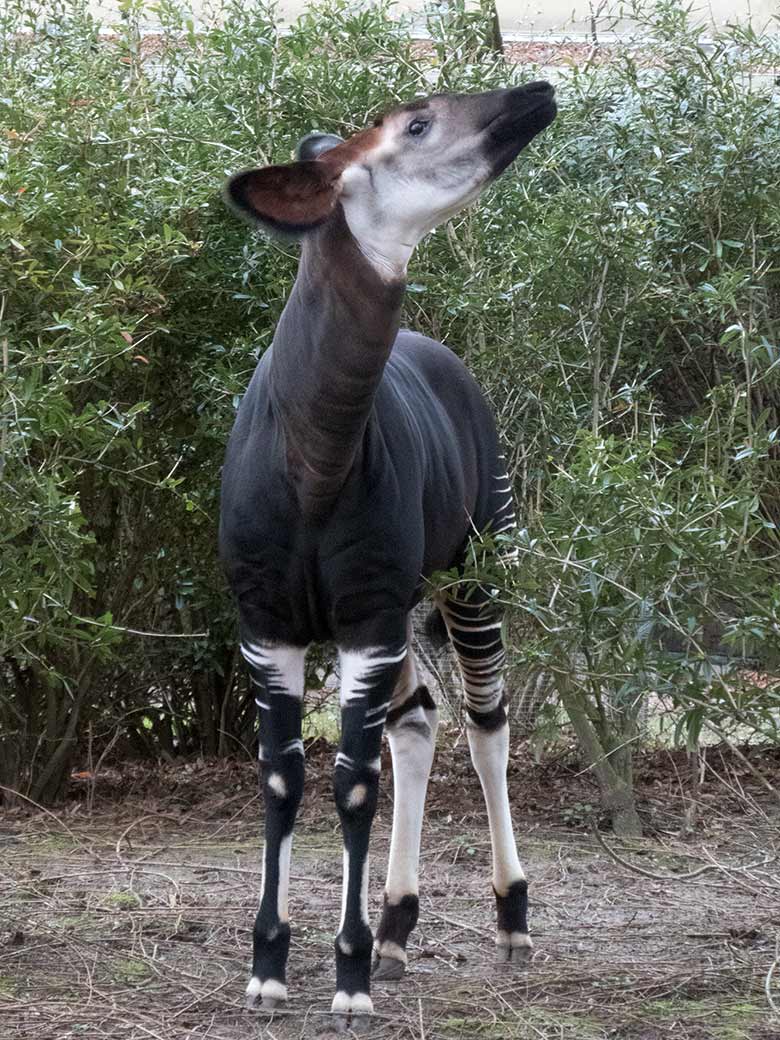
[{"x": 520, "y": 21}]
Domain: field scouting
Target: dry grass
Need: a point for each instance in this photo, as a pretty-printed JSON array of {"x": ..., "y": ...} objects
[{"x": 135, "y": 923}]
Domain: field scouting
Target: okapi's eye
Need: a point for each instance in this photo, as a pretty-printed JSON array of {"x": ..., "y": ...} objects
[{"x": 417, "y": 127}]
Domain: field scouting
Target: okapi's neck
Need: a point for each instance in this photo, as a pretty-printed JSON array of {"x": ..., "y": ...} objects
[{"x": 331, "y": 345}]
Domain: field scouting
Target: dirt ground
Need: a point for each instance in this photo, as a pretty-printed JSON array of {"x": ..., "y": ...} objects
[{"x": 134, "y": 921}]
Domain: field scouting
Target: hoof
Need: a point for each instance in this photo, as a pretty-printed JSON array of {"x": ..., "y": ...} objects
[
  {"x": 272, "y": 994},
  {"x": 516, "y": 948},
  {"x": 387, "y": 969},
  {"x": 352, "y": 1024},
  {"x": 351, "y": 1012}
]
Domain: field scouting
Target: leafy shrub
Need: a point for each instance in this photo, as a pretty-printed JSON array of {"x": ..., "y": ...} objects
[
  {"x": 644, "y": 412},
  {"x": 615, "y": 294}
]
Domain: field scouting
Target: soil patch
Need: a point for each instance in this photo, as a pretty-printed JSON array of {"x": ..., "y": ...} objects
[{"x": 136, "y": 922}]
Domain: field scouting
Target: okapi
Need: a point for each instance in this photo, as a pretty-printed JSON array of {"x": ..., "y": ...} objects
[{"x": 361, "y": 461}]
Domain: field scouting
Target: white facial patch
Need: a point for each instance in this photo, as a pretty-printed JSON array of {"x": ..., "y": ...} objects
[{"x": 400, "y": 190}]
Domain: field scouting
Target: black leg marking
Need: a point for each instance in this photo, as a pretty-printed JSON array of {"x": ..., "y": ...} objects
[
  {"x": 421, "y": 698},
  {"x": 475, "y": 630},
  {"x": 488, "y": 720},
  {"x": 513, "y": 942},
  {"x": 397, "y": 923}
]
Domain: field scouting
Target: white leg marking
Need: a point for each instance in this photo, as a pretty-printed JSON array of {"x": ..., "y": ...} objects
[
  {"x": 377, "y": 710},
  {"x": 357, "y": 667},
  {"x": 513, "y": 939},
  {"x": 292, "y": 747},
  {"x": 345, "y": 890},
  {"x": 344, "y": 879},
  {"x": 277, "y": 785},
  {"x": 391, "y": 949},
  {"x": 262, "y": 876},
  {"x": 285, "y": 854},
  {"x": 412, "y": 758},
  {"x": 412, "y": 753},
  {"x": 364, "y": 892},
  {"x": 490, "y": 755},
  {"x": 284, "y": 664},
  {"x": 270, "y": 989},
  {"x": 357, "y": 796},
  {"x": 357, "y": 1003},
  {"x": 377, "y": 721}
]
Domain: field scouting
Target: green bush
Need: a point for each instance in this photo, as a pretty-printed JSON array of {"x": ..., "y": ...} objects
[{"x": 616, "y": 294}]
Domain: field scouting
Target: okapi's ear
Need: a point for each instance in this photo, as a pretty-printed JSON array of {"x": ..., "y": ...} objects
[
  {"x": 293, "y": 199},
  {"x": 316, "y": 143}
]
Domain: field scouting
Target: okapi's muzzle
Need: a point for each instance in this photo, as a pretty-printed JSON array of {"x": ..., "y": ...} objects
[{"x": 518, "y": 115}]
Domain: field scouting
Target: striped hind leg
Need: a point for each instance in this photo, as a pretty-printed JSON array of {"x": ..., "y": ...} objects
[
  {"x": 411, "y": 729},
  {"x": 474, "y": 625}
]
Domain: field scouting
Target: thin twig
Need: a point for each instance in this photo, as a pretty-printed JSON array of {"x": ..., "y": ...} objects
[
  {"x": 57, "y": 820},
  {"x": 688, "y": 876}
]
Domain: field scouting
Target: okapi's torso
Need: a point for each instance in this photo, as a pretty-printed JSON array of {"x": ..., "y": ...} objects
[{"x": 361, "y": 460}]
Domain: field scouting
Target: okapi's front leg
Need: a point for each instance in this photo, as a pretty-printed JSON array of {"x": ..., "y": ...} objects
[
  {"x": 277, "y": 677},
  {"x": 368, "y": 678}
]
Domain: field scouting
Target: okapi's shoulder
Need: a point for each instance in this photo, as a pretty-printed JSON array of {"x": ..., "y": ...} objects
[{"x": 424, "y": 368}]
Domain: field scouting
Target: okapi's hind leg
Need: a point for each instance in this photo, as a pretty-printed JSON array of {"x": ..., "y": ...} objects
[
  {"x": 411, "y": 730},
  {"x": 474, "y": 625}
]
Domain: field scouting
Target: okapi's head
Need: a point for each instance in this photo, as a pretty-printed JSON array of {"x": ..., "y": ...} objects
[{"x": 413, "y": 169}]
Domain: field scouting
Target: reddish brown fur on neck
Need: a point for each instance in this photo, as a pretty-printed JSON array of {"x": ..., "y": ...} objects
[{"x": 352, "y": 150}]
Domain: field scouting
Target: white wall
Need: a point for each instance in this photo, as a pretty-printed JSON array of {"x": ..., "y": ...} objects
[
  {"x": 574, "y": 15},
  {"x": 534, "y": 17}
]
